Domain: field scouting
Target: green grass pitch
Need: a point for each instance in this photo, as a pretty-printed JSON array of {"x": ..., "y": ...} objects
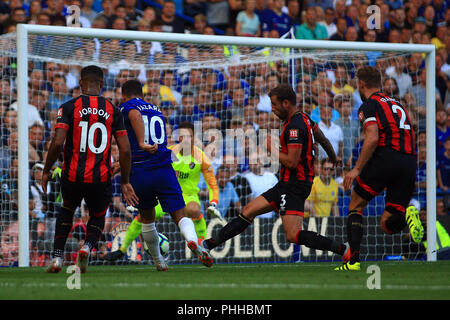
[{"x": 286, "y": 281}]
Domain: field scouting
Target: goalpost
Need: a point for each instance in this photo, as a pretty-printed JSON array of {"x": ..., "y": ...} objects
[{"x": 298, "y": 47}]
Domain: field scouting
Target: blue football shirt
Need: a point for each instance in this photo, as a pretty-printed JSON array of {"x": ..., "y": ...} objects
[{"x": 155, "y": 132}]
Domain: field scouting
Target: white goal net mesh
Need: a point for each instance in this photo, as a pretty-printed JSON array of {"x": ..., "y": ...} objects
[{"x": 218, "y": 88}]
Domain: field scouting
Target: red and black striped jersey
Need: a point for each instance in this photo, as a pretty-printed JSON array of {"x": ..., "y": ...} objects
[
  {"x": 394, "y": 126},
  {"x": 90, "y": 122},
  {"x": 298, "y": 132}
]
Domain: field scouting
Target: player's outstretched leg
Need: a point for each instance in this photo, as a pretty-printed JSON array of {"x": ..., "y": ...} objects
[
  {"x": 187, "y": 229},
  {"x": 354, "y": 236},
  {"x": 62, "y": 229},
  {"x": 94, "y": 230},
  {"x": 231, "y": 229},
  {"x": 238, "y": 224},
  {"x": 133, "y": 231},
  {"x": 193, "y": 211},
  {"x": 151, "y": 238},
  {"x": 415, "y": 225}
]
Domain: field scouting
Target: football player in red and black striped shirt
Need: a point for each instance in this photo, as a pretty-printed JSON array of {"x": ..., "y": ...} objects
[
  {"x": 288, "y": 196},
  {"x": 387, "y": 161},
  {"x": 85, "y": 127}
]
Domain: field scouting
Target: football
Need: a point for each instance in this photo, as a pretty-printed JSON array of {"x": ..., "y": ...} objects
[{"x": 164, "y": 245}]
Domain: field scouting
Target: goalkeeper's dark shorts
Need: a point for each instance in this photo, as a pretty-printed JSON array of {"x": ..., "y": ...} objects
[
  {"x": 391, "y": 170},
  {"x": 287, "y": 198}
]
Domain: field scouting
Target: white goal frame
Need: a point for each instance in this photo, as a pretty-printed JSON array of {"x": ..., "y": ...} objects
[{"x": 23, "y": 30}]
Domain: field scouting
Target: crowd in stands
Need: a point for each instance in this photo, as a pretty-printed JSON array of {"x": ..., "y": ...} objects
[{"x": 235, "y": 98}]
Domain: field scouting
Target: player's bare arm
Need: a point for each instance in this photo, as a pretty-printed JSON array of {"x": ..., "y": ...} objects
[
  {"x": 139, "y": 129},
  {"x": 368, "y": 148},
  {"x": 326, "y": 145},
  {"x": 52, "y": 155},
  {"x": 291, "y": 159},
  {"x": 125, "y": 167}
]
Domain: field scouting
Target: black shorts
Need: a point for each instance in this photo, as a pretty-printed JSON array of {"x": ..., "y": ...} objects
[
  {"x": 96, "y": 195},
  {"x": 287, "y": 198},
  {"x": 392, "y": 170}
]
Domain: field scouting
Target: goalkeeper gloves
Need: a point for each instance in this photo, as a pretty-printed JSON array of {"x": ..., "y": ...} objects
[{"x": 213, "y": 211}]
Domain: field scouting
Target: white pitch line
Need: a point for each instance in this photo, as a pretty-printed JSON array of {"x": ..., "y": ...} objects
[{"x": 227, "y": 286}]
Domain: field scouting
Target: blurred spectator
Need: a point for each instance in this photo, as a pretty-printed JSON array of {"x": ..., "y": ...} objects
[
  {"x": 275, "y": 19},
  {"x": 322, "y": 201},
  {"x": 294, "y": 12},
  {"x": 351, "y": 34},
  {"x": 8, "y": 123},
  {"x": 157, "y": 93},
  {"x": 271, "y": 82},
  {"x": 149, "y": 15},
  {"x": 394, "y": 4},
  {"x": 238, "y": 180},
  {"x": 247, "y": 21},
  {"x": 37, "y": 192},
  {"x": 324, "y": 101},
  {"x": 332, "y": 131},
  {"x": 5, "y": 93},
  {"x": 238, "y": 103},
  {"x": 171, "y": 23},
  {"x": 341, "y": 29},
  {"x": 390, "y": 88},
  {"x": 133, "y": 14},
  {"x": 350, "y": 128},
  {"x": 185, "y": 112},
  {"x": 399, "y": 17},
  {"x": 9, "y": 250},
  {"x": 200, "y": 22},
  {"x": 168, "y": 80},
  {"x": 411, "y": 15},
  {"x": 260, "y": 180},
  {"x": 107, "y": 13},
  {"x": 55, "y": 10},
  {"x": 403, "y": 79},
  {"x": 59, "y": 95},
  {"x": 193, "y": 8},
  {"x": 443, "y": 167},
  {"x": 352, "y": 16},
  {"x": 228, "y": 198},
  {"x": 421, "y": 175},
  {"x": 324, "y": 4},
  {"x": 32, "y": 114},
  {"x": 9, "y": 188},
  {"x": 419, "y": 90},
  {"x": 18, "y": 15},
  {"x": 442, "y": 129},
  {"x": 441, "y": 78},
  {"x": 341, "y": 84},
  {"x": 329, "y": 23},
  {"x": 217, "y": 13},
  {"x": 87, "y": 11},
  {"x": 310, "y": 29},
  {"x": 236, "y": 6},
  {"x": 429, "y": 15},
  {"x": 36, "y": 139}
]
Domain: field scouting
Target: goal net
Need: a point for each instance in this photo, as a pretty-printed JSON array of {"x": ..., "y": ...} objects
[{"x": 223, "y": 90}]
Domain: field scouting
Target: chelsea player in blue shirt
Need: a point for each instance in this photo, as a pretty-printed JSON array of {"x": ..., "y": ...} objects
[{"x": 152, "y": 175}]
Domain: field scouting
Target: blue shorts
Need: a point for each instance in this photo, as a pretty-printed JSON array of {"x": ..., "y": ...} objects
[{"x": 153, "y": 184}]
